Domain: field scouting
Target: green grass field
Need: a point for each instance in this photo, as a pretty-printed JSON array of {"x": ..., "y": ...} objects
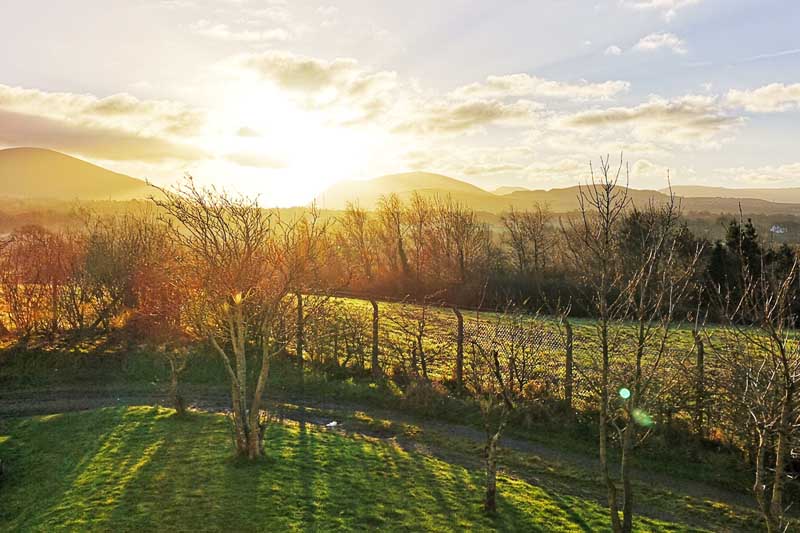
[{"x": 143, "y": 469}]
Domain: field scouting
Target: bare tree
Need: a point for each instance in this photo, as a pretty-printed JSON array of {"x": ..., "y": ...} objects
[
  {"x": 655, "y": 287},
  {"x": 528, "y": 237},
  {"x": 462, "y": 240},
  {"x": 590, "y": 241},
  {"x": 644, "y": 286},
  {"x": 356, "y": 237},
  {"x": 238, "y": 296},
  {"x": 305, "y": 244},
  {"x": 419, "y": 216},
  {"x": 502, "y": 365},
  {"x": 392, "y": 232},
  {"x": 413, "y": 325},
  {"x": 761, "y": 351}
]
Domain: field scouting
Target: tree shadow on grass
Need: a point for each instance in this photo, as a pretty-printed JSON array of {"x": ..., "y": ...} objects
[
  {"x": 148, "y": 470},
  {"x": 47, "y": 458},
  {"x": 308, "y": 469}
]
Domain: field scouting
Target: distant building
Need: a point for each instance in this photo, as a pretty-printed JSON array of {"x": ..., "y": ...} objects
[{"x": 779, "y": 230}]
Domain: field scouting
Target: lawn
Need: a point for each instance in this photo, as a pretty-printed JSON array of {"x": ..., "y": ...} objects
[{"x": 143, "y": 469}]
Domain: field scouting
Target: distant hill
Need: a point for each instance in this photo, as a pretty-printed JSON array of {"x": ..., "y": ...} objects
[
  {"x": 367, "y": 193},
  {"x": 41, "y": 173},
  {"x": 564, "y": 200},
  {"x": 502, "y": 191},
  {"x": 783, "y": 195}
]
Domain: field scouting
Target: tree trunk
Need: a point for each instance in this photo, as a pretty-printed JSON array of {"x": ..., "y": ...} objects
[
  {"x": 376, "y": 369},
  {"x": 759, "y": 486},
  {"x": 174, "y": 389},
  {"x": 422, "y": 359},
  {"x": 54, "y": 308},
  {"x": 782, "y": 450},
  {"x": 490, "y": 500},
  {"x": 611, "y": 489},
  {"x": 459, "y": 349},
  {"x": 628, "y": 441}
]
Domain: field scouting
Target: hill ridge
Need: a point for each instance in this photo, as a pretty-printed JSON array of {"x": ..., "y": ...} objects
[{"x": 30, "y": 172}]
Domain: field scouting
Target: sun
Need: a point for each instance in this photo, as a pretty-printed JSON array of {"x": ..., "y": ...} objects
[{"x": 268, "y": 143}]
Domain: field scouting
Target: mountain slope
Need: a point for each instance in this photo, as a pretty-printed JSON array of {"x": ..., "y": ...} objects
[
  {"x": 41, "y": 173},
  {"x": 367, "y": 194},
  {"x": 507, "y": 189},
  {"x": 785, "y": 195}
]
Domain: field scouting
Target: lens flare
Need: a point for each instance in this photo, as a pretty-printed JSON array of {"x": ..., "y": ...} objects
[
  {"x": 624, "y": 393},
  {"x": 642, "y": 418}
]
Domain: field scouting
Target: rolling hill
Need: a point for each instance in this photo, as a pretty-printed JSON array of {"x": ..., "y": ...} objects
[
  {"x": 46, "y": 174},
  {"x": 41, "y": 174},
  {"x": 781, "y": 195},
  {"x": 367, "y": 193}
]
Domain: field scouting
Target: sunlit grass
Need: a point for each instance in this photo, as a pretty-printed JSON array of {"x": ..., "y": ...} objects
[{"x": 143, "y": 469}]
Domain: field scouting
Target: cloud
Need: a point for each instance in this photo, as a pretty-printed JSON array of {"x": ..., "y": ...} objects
[
  {"x": 656, "y": 41},
  {"x": 116, "y": 127},
  {"x": 146, "y": 117},
  {"x": 254, "y": 159},
  {"x": 306, "y": 74},
  {"x": 669, "y": 8},
  {"x": 771, "y": 55},
  {"x": 788, "y": 174},
  {"x": 489, "y": 169},
  {"x": 363, "y": 95},
  {"x": 770, "y": 98},
  {"x": 224, "y": 33},
  {"x": 687, "y": 120},
  {"x": 613, "y": 50},
  {"x": 327, "y": 10},
  {"x": 92, "y": 141},
  {"x": 525, "y": 85},
  {"x": 246, "y": 131},
  {"x": 459, "y": 117}
]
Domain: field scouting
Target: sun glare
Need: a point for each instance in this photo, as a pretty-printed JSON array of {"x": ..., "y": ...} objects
[{"x": 281, "y": 149}]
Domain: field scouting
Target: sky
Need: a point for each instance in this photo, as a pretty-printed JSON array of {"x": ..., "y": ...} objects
[{"x": 283, "y": 98}]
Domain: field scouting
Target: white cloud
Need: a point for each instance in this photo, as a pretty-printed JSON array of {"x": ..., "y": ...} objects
[
  {"x": 459, "y": 117},
  {"x": 525, "y": 85},
  {"x": 787, "y": 174},
  {"x": 656, "y": 41},
  {"x": 613, "y": 50},
  {"x": 120, "y": 110},
  {"x": 327, "y": 10},
  {"x": 224, "y": 33},
  {"x": 319, "y": 83},
  {"x": 767, "y": 99},
  {"x": 116, "y": 127},
  {"x": 691, "y": 120},
  {"x": 669, "y": 8},
  {"x": 772, "y": 55}
]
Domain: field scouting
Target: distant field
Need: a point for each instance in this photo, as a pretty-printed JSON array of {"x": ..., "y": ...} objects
[{"x": 398, "y": 322}]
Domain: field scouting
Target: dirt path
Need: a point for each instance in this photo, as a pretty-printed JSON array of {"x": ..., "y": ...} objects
[{"x": 29, "y": 403}]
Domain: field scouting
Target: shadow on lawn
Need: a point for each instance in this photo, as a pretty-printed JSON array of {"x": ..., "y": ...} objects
[{"x": 141, "y": 468}]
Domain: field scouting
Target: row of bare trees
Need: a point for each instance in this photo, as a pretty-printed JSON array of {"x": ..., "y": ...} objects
[
  {"x": 418, "y": 247},
  {"x": 77, "y": 280}
]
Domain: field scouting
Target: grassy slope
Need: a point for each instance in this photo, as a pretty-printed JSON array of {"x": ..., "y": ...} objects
[{"x": 141, "y": 468}]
